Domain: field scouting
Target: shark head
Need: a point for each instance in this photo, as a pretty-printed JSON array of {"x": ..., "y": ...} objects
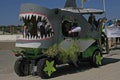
[{"x": 38, "y": 30}]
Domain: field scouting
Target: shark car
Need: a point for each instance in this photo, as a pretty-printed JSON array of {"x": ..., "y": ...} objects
[{"x": 53, "y": 47}]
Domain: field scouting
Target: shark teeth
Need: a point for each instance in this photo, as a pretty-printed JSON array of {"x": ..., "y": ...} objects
[
  {"x": 44, "y": 37},
  {"x": 28, "y": 16},
  {"x": 37, "y": 17}
]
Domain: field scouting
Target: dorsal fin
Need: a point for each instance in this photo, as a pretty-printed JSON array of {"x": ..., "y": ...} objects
[{"x": 70, "y": 4}]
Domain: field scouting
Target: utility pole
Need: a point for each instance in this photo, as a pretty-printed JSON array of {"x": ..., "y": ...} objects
[
  {"x": 104, "y": 7},
  {"x": 82, "y": 3}
]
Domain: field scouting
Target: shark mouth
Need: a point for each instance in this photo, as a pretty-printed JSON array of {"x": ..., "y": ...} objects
[{"x": 36, "y": 27}]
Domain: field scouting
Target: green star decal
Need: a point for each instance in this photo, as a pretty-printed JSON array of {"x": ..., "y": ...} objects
[
  {"x": 99, "y": 59},
  {"x": 49, "y": 69}
]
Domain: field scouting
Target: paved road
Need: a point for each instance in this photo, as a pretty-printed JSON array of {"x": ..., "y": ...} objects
[
  {"x": 7, "y": 45},
  {"x": 109, "y": 71}
]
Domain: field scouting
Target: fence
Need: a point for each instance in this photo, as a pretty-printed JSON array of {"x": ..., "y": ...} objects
[{"x": 10, "y": 30}]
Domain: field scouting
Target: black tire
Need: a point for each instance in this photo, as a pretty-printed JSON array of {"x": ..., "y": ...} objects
[
  {"x": 22, "y": 67},
  {"x": 93, "y": 61},
  {"x": 40, "y": 66}
]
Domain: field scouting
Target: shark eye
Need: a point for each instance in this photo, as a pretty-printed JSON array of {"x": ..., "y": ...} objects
[{"x": 36, "y": 27}]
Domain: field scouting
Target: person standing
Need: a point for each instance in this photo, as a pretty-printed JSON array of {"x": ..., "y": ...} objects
[
  {"x": 24, "y": 31},
  {"x": 104, "y": 34},
  {"x": 92, "y": 20},
  {"x": 42, "y": 29}
]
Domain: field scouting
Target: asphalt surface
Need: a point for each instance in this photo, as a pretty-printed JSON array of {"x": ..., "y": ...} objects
[
  {"x": 7, "y": 45},
  {"x": 110, "y": 70}
]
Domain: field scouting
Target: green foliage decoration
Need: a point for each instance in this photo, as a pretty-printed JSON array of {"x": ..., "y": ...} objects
[
  {"x": 70, "y": 54},
  {"x": 62, "y": 54},
  {"x": 52, "y": 51}
]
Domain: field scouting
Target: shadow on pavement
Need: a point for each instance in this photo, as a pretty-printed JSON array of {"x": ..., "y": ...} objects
[
  {"x": 68, "y": 69},
  {"x": 110, "y": 61}
]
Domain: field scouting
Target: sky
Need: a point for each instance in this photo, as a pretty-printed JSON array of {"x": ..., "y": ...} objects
[{"x": 9, "y": 9}]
